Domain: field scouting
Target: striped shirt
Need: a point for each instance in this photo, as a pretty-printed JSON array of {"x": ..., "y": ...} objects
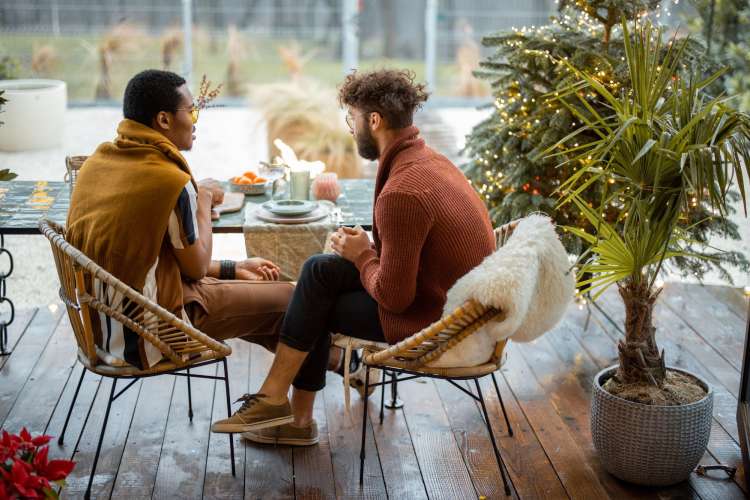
[{"x": 119, "y": 343}]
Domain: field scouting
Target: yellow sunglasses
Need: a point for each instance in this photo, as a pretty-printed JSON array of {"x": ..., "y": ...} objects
[{"x": 194, "y": 112}]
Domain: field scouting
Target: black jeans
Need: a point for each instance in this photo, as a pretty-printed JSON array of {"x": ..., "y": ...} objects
[{"x": 329, "y": 298}]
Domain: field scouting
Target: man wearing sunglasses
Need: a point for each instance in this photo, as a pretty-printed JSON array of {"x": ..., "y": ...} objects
[{"x": 138, "y": 212}]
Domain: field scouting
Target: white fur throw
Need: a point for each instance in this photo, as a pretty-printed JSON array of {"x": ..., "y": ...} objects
[{"x": 529, "y": 278}]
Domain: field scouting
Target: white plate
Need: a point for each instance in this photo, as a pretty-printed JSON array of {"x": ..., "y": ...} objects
[
  {"x": 290, "y": 208},
  {"x": 315, "y": 215}
]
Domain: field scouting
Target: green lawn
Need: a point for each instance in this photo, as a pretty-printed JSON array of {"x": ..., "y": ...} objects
[{"x": 77, "y": 62}]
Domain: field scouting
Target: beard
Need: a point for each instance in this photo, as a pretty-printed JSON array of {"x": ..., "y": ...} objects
[{"x": 366, "y": 145}]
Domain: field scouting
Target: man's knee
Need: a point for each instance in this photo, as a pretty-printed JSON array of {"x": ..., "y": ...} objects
[{"x": 319, "y": 266}]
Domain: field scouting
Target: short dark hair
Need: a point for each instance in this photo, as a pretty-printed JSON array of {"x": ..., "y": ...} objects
[
  {"x": 390, "y": 92},
  {"x": 150, "y": 92}
]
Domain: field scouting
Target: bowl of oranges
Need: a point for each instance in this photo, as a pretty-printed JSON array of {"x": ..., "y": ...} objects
[{"x": 249, "y": 183}]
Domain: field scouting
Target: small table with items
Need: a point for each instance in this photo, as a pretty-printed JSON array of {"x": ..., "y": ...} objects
[{"x": 23, "y": 203}]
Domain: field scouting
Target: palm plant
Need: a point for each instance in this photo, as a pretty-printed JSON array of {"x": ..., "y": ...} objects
[{"x": 666, "y": 146}]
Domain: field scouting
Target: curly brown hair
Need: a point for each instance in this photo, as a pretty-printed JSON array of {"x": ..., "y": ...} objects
[{"x": 390, "y": 92}]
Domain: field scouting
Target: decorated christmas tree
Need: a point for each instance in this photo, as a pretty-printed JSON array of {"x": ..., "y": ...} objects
[
  {"x": 723, "y": 26},
  {"x": 506, "y": 164}
]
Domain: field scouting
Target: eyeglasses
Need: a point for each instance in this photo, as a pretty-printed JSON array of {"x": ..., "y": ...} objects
[
  {"x": 194, "y": 112},
  {"x": 350, "y": 118}
]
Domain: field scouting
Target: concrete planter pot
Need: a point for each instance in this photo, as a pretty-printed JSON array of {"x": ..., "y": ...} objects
[
  {"x": 645, "y": 444},
  {"x": 33, "y": 117}
]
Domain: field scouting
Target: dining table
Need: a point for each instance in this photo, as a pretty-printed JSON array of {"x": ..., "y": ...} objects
[{"x": 24, "y": 203}]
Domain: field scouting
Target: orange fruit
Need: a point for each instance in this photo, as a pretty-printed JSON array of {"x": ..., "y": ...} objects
[
  {"x": 250, "y": 174},
  {"x": 259, "y": 180},
  {"x": 244, "y": 180}
]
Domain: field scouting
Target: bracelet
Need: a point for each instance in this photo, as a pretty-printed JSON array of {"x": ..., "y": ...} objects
[{"x": 227, "y": 269}]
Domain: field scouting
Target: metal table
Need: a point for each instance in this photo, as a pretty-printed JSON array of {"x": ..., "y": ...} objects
[{"x": 23, "y": 203}]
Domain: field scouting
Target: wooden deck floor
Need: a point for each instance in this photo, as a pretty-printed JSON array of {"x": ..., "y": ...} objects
[{"x": 436, "y": 447}]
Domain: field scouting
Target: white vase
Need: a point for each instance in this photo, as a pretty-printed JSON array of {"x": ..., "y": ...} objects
[{"x": 34, "y": 114}]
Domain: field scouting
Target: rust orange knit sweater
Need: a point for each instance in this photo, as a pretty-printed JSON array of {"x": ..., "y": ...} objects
[{"x": 430, "y": 228}]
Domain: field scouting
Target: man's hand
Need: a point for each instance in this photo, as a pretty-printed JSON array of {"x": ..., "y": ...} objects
[
  {"x": 214, "y": 187},
  {"x": 350, "y": 242},
  {"x": 256, "y": 269}
]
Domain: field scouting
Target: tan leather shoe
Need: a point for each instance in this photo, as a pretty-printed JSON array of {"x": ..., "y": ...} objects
[
  {"x": 255, "y": 413},
  {"x": 285, "y": 434}
]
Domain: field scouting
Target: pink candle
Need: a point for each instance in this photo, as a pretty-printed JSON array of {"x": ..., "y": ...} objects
[{"x": 326, "y": 187}]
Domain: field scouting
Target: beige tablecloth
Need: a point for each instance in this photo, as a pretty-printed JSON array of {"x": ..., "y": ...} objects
[{"x": 287, "y": 245}]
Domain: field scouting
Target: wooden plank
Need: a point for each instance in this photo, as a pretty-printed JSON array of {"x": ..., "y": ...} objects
[
  {"x": 115, "y": 436},
  {"x": 19, "y": 365},
  {"x": 313, "y": 469},
  {"x": 531, "y": 472},
  {"x": 140, "y": 459},
  {"x": 269, "y": 472},
  {"x": 562, "y": 447},
  {"x": 710, "y": 319},
  {"x": 726, "y": 451},
  {"x": 443, "y": 469},
  {"x": 593, "y": 338},
  {"x": 734, "y": 298},
  {"x": 17, "y": 329},
  {"x": 78, "y": 418},
  {"x": 39, "y": 396},
  {"x": 219, "y": 481},
  {"x": 565, "y": 374},
  {"x": 182, "y": 465},
  {"x": 710, "y": 488},
  {"x": 468, "y": 427},
  {"x": 397, "y": 457},
  {"x": 345, "y": 435}
]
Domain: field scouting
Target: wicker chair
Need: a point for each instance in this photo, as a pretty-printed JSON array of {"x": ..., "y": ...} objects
[
  {"x": 182, "y": 346},
  {"x": 407, "y": 360}
]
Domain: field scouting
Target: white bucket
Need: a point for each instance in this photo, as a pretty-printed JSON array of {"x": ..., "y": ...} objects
[{"x": 33, "y": 118}]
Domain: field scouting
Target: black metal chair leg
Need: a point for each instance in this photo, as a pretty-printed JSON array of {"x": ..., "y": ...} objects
[
  {"x": 499, "y": 459},
  {"x": 190, "y": 397},
  {"x": 364, "y": 429},
  {"x": 502, "y": 405},
  {"x": 384, "y": 374},
  {"x": 70, "y": 410},
  {"x": 394, "y": 403},
  {"x": 101, "y": 438},
  {"x": 229, "y": 413}
]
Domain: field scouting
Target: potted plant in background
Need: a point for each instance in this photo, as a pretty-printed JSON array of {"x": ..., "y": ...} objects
[
  {"x": 665, "y": 147},
  {"x": 5, "y": 174},
  {"x": 34, "y": 110}
]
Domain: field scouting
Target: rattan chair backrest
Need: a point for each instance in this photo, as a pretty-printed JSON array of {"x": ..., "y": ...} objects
[
  {"x": 72, "y": 166},
  {"x": 429, "y": 344},
  {"x": 87, "y": 289}
]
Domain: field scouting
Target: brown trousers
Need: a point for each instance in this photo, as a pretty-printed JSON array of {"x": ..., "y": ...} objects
[{"x": 250, "y": 310}]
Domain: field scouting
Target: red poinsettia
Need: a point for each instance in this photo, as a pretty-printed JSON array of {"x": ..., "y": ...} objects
[{"x": 25, "y": 469}]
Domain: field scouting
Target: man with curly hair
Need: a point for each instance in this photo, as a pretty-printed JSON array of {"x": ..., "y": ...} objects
[{"x": 429, "y": 228}]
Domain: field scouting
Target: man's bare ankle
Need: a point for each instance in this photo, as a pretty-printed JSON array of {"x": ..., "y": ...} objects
[
  {"x": 275, "y": 400},
  {"x": 335, "y": 358},
  {"x": 302, "y": 423}
]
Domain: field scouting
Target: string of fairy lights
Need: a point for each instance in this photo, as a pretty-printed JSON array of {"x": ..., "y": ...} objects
[
  {"x": 523, "y": 109},
  {"x": 516, "y": 118}
]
